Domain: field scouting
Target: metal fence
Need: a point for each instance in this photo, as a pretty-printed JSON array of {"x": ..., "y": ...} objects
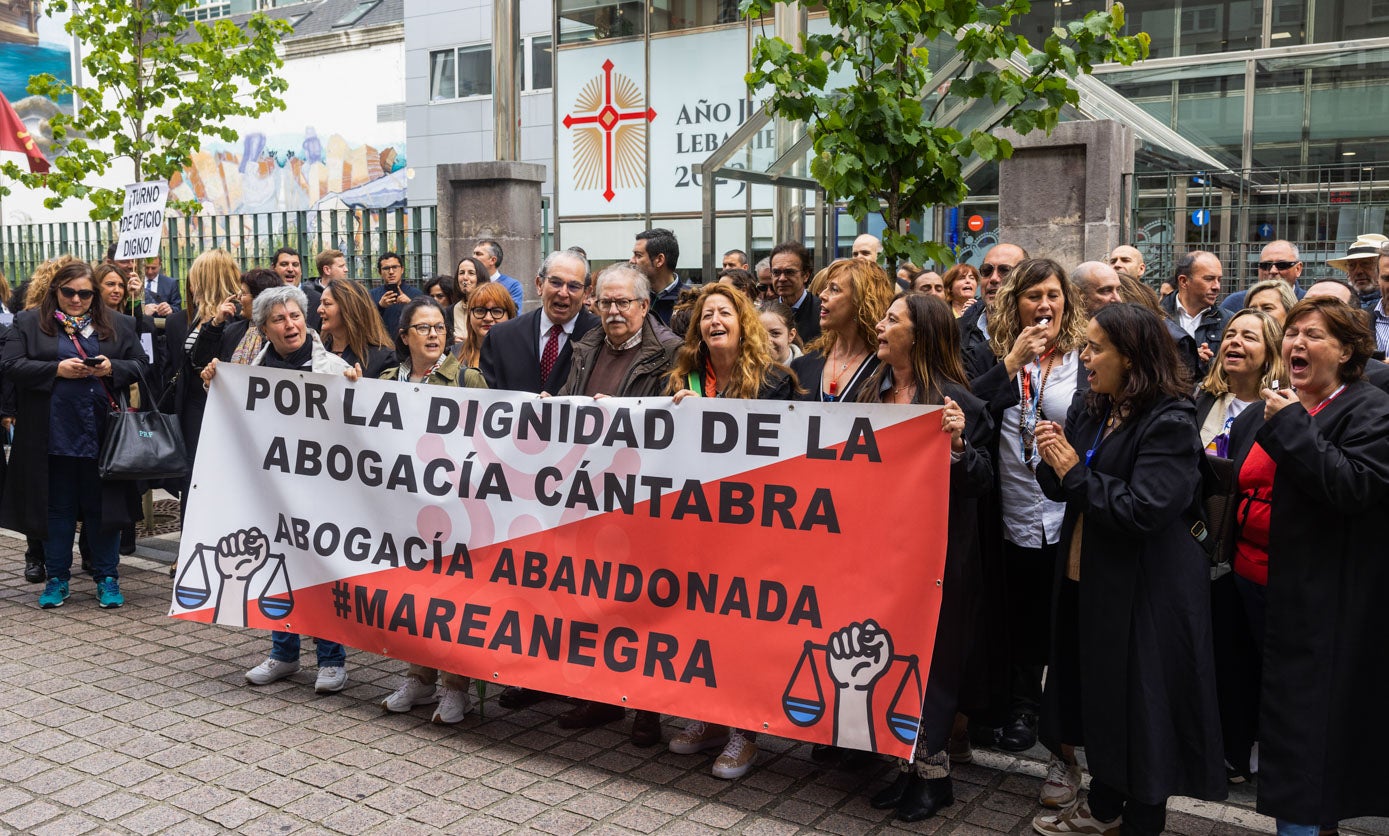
[
  {"x": 362, "y": 235},
  {"x": 1321, "y": 209}
]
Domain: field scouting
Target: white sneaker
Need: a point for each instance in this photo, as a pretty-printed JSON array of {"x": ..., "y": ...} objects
[
  {"x": 1062, "y": 784},
  {"x": 1077, "y": 819},
  {"x": 698, "y": 736},
  {"x": 411, "y": 693},
  {"x": 271, "y": 670},
  {"x": 331, "y": 680},
  {"x": 453, "y": 705},
  {"x": 736, "y": 758}
]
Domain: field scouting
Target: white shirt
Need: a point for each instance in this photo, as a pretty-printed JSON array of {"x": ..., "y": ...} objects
[
  {"x": 546, "y": 324},
  {"x": 1030, "y": 519},
  {"x": 1187, "y": 321}
]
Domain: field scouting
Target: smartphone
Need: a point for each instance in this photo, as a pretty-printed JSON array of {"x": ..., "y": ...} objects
[{"x": 91, "y": 361}]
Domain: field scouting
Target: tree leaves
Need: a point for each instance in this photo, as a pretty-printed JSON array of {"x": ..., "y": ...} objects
[
  {"x": 155, "y": 91},
  {"x": 876, "y": 147}
]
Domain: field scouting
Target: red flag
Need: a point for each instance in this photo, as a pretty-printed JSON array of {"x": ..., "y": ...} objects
[{"x": 15, "y": 137}]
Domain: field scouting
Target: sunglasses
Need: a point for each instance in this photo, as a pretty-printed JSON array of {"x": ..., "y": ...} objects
[
  {"x": 70, "y": 293},
  {"x": 987, "y": 270},
  {"x": 1266, "y": 266}
]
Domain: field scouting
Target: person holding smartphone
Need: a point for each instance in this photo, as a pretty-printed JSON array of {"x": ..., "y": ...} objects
[
  {"x": 391, "y": 296},
  {"x": 65, "y": 358}
]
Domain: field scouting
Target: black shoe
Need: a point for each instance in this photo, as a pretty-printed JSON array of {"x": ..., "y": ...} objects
[
  {"x": 984, "y": 737},
  {"x": 890, "y": 797},
  {"x": 924, "y": 799},
  {"x": 127, "y": 550},
  {"x": 1020, "y": 734},
  {"x": 34, "y": 570},
  {"x": 646, "y": 729},
  {"x": 514, "y": 697},
  {"x": 590, "y": 715},
  {"x": 823, "y": 753}
]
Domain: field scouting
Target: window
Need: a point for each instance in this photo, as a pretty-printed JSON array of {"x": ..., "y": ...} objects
[
  {"x": 460, "y": 73},
  {"x": 357, "y": 13},
  {"x": 540, "y": 70}
]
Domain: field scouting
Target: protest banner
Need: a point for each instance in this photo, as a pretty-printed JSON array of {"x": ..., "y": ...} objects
[
  {"x": 773, "y": 566},
  {"x": 142, "y": 220}
]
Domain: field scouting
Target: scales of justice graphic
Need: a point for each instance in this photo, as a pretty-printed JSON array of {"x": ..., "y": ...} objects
[
  {"x": 274, "y": 597},
  {"x": 804, "y": 701}
]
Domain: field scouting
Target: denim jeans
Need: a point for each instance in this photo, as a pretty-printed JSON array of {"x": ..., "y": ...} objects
[
  {"x": 1287, "y": 828},
  {"x": 74, "y": 487},
  {"x": 285, "y": 648}
]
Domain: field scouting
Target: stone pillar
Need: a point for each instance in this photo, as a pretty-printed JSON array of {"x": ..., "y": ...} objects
[
  {"x": 1061, "y": 195},
  {"x": 498, "y": 200}
]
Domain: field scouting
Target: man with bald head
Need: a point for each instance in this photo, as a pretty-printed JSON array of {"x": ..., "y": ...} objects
[
  {"x": 1194, "y": 321},
  {"x": 1098, "y": 284},
  {"x": 1129, "y": 260},
  {"x": 1277, "y": 260},
  {"x": 868, "y": 247},
  {"x": 999, "y": 261}
]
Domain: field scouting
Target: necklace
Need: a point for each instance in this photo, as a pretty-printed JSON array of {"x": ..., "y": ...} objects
[
  {"x": 843, "y": 367},
  {"x": 1031, "y": 408}
]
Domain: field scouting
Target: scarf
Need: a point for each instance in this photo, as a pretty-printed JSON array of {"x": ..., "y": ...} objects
[
  {"x": 403, "y": 373},
  {"x": 73, "y": 325},
  {"x": 249, "y": 347}
]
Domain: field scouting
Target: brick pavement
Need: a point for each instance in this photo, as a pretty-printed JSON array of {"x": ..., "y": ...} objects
[{"x": 127, "y": 721}]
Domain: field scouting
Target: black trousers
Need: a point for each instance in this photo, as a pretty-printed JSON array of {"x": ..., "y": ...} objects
[
  {"x": 1107, "y": 804},
  {"x": 1029, "y": 581}
]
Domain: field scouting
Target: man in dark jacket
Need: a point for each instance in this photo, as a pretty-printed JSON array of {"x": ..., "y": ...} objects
[
  {"x": 791, "y": 271},
  {"x": 532, "y": 352},
  {"x": 625, "y": 358},
  {"x": 1194, "y": 320}
]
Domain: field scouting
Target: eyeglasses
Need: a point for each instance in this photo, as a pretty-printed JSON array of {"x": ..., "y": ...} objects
[
  {"x": 614, "y": 304},
  {"x": 483, "y": 313},
  {"x": 987, "y": 271},
  {"x": 424, "y": 329},
  {"x": 391, "y": 268},
  {"x": 1268, "y": 266},
  {"x": 70, "y": 293},
  {"x": 786, "y": 272},
  {"x": 573, "y": 287}
]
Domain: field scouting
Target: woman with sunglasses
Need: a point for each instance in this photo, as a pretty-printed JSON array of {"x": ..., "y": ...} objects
[
  {"x": 65, "y": 358},
  {"x": 490, "y": 303}
]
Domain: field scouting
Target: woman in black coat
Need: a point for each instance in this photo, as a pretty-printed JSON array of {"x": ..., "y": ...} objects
[
  {"x": 1322, "y": 613},
  {"x": 919, "y": 350},
  {"x": 1132, "y": 674},
  {"x": 63, "y": 403},
  {"x": 835, "y": 366},
  {"x": 228, "y": 335}
]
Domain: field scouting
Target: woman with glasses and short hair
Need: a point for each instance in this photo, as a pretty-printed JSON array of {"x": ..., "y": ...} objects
[{"x": 489, "y": 304}]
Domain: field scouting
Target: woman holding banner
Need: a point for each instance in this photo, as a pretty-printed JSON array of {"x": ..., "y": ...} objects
[
  {"x": 726, "y": 354},
  {"x": 1131, "y": 675},
  {"x": 421, "y": 346},
  {"x": 919, "y": 349},
  {"x": 855, "y": 298},
  {"x": 279, "y": 314},
  {"x": 65, "y": 359}
]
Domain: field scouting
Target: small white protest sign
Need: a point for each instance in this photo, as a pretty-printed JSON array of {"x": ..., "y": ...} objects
[{"x": 142, "y": 220}]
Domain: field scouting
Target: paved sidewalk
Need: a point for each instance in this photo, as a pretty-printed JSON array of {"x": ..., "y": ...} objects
[{"x": 127, "y": 721}]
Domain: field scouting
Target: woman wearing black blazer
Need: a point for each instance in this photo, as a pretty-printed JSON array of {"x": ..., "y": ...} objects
[
  {"x": 834, "y": 367},
  {"x": 1131, "y": 675},
  {"x": 63, "y": 404}
]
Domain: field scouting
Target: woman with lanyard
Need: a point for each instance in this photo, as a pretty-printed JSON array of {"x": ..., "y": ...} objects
[
  {"x": 422, "y": 347},
  {"x": 855, "y": 297},
  {"x": 65, "y": 358},
  {"x": 1249, "y": 361},
  {"x": 1033, "y": 374},
  {"x": 919, "y": 347},
  {"x": 1131, "y": 675},
  {"x": 726, "y": 354},
  {"x": 1313, "y": 467}
]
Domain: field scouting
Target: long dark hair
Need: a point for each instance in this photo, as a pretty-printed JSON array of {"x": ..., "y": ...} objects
[
  {"x": 101, "y": 319},
  {"x": 1156, "y": 371},
  {"x": 935, "y": 351}
]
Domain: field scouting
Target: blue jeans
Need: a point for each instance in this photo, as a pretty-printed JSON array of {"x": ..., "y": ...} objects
[
  {"x": 74, "y": 487},
  {"x": 285, "y": 648},
  {"x": 1286, "y": 828}
]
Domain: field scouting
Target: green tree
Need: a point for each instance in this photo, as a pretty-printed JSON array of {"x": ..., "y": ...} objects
[
  {"x": 157, "y": 86},
  {"x": 877, "y": 143}
]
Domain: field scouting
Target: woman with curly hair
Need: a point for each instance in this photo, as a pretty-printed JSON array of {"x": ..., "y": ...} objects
[
  {"x": 1028, "y": 373},
  {"x": 855, "y": 297}
]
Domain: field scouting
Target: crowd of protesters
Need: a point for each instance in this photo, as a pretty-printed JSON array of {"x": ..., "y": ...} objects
[{"x": 1087, "y": 601}]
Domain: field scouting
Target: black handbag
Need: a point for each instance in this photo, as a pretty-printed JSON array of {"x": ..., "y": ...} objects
[
  {"x": 1219, "y": 500},
  {"x": 141, "y": 445}
]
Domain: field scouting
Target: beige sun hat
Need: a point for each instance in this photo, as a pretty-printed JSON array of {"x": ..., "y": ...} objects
[{"x": 1368, "y": 245}]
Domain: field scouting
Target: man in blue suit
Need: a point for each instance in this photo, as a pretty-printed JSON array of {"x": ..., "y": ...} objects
[
  {"x": 162, "y": 296},
  {"x": 532, "y": 352}
]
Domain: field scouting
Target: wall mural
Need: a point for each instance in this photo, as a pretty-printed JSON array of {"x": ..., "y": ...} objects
[
  {"x": 293, "y": 172},
  {"x": 32, "y": 43}
]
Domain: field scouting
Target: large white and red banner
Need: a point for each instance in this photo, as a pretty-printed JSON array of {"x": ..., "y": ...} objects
[{"x": 772, "y": 566}]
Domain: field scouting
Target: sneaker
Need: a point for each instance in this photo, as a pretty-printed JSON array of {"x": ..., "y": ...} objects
[
  {"x": 271, "y": 670},
  {"x": 411, "y": 693},
  {"x": 331, "y": 680},
  {"x": 55, "y": 592},
  {"x": 698, "y": 737},
  {"x": 959, "y": 749},
  {"x": 1077, "y": 819},
  {"x": 1062, "y": 785},
  {"x": 736, "y": 758},
  {"x": 453, "y": 705},
  {"x": 108, "y": 594}
]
